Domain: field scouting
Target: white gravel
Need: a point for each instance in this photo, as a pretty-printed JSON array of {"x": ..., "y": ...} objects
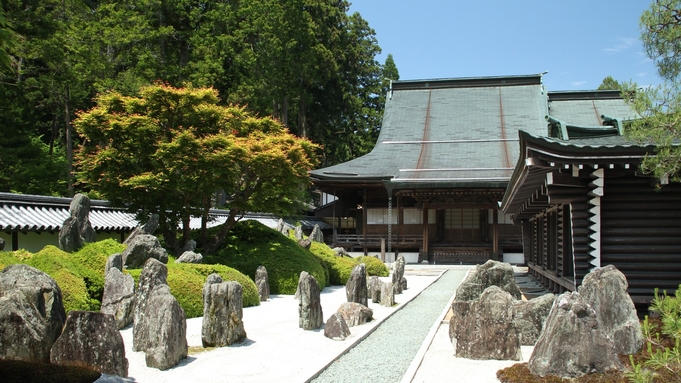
[{"x": 276, "y": 349}]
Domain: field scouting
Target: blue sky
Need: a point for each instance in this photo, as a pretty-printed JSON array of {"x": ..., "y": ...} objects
[{"x": 579, "y": 42}]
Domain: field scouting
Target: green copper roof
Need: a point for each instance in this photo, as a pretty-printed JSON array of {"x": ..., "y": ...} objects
[{"x": 449, "y": 132}]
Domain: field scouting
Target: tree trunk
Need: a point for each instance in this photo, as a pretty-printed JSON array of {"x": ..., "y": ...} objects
[
  {"x": 284, "y": 112},
  {"x": 69, "y": 140},
  {"x": 302, "y": 121},
  {"x": 214, "y": 243},
  {"x": 170, "y": 239}
]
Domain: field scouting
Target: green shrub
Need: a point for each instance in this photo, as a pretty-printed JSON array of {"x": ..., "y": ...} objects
[
  {"x": 68, "y": 275},
  {"x": 251, "y": 244},
  {"x": 91, "y": 260},
  {"x": 186, "y": 282},
  {"x": 8, "y": 258},
  {"x": 374, "y": 266},
  {"x": 339, "y": 267}
]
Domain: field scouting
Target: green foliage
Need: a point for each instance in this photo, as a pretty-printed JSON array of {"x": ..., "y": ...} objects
[
  {"x": 251, "y": 244},
  {"x": 69, "y": 276},
  {"x": 339, "y": 267},
  {"x": 661, "y": 36},
  {"x": 374, "y": 266},
  {"x": 169, "y": 150},
  {"x": 186, "y": 282},
  {"x": 609, "y": 83}
]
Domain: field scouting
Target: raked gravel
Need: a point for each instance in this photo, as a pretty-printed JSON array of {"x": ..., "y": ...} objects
[{"x": 385, "y": 354}]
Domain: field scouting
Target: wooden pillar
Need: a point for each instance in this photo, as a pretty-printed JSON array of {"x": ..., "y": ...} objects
[
  {"x": 364, "y": 221},
  {"x": 15, "y": 241},
  {"x": 425, "y": 234},
  {"x": 495, "y": 233}
]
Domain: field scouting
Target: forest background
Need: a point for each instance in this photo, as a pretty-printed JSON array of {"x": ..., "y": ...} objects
[{"x": 308, "y": 63}]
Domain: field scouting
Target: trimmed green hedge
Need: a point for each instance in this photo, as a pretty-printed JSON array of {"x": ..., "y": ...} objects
[
  {"x": 186, "y": 282},
  {"x": 251, "y": 244},
  {"x": 374, "y": 266},
  {"x": 339, "y": 267}
]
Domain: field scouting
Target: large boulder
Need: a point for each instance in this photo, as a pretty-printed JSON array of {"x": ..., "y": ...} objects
[
  {"x": 529, "y": 317},
  {"x": 148, "y": 228},
  {"x": 605, "y": 289},
  {"x": 316, "y": 235},
  {"x": 143, "y": 247},
  {"x": 31, "y": 313},
  {"x": 222, "y": 313},
  {"x": 190, "y": 257},
  {"x": 310, "y": 315},
  {"x": 76, "y": 230},
  {"x": 262, "y": 281},
  {"x": 340, "y": 252},
  {"x": 491, "y": 273},
  {"x": 305, "y": 243},
  {"x": 484, "y": 329},
  {"x": 355, "y": 314},
  {"x": 336, "y": 328},
  {"x": 356, "y": 286},
  {"x": 283, "y": 227},
  {"x": 573, "y": 343},
  {"x": 118, "y": 299},
  {"x": 160, "y": 325},
  {"x": 92, "y": 340},
  {"x": 398, "y": 274}
]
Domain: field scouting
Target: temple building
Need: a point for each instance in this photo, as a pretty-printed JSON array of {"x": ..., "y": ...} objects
[{"x": 430, "y": 188}]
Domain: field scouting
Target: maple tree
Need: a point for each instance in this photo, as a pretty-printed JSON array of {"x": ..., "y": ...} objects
[{"x": 169, "y": 150}]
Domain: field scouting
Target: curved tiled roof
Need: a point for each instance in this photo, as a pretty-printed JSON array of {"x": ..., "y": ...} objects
[{"x": 20, "y": 212}]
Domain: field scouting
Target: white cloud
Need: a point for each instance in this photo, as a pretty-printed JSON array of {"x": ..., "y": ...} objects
[
  {"x": 622, "y": 45},
  {"x": 642, "y": 74},
  {"x": 578, "y": 83}
]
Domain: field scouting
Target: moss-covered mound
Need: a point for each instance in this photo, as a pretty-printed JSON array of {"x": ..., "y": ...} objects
[
  {"x": 339, "y": 267},
  {"x": 80, "y": 275},
  {"x": 251, "y": 244},
  {"x": 186, "y": 282},
  {"x": 374, "y": 266}
]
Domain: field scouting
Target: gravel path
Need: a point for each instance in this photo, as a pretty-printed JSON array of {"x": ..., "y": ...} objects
[{"x": 385, "y": 355}]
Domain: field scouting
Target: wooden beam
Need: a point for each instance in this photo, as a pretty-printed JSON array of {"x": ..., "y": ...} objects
[{"x": 564, "y": 180}]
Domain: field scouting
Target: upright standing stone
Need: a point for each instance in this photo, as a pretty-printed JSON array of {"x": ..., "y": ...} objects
[
  {"x": 356, "y": 286},
  {"x": 160, "y": 326},
  {"x": 310, "y": 315},
  {"x": 572, "y": 343},
  {"x": 336, "y": 328},
  {"x": 317, "y": 235},
  {"x": 76, "y": 230},
  {"x": 190, "y": 245},
  {"x": 398, "y": 273},
  {"x": 148, "y": 228},
  {"x": 283, "y": 227},
  {"x": 491, "y": 273},
  {"x": 118, "y": 299},
  {"x": 262, "y": 281},
  {"x": 387, "y": 294},
  {"x": 116, "y": 261},
  {"x": 222, "y": 313},
  {"x": 298, "y": 233},
  {"x": 605, "y": 290},
  {"x": 374, "y": 289},
  {"x": 305, "y": 243},
  {"x": 31, "y": 313},
  {"x": 91, "y": 339},
  {"x": 484, "y": 329},
  {"x": 143, "y": 247}
]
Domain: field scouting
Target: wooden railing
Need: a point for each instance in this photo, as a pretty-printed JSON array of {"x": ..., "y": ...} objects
[{"x": 371, "y": 240}]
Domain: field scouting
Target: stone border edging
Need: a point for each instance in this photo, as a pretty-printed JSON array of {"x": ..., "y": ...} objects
[
  {"x": 413, "y": 368},
  {"x": 356, "y": 341}
]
